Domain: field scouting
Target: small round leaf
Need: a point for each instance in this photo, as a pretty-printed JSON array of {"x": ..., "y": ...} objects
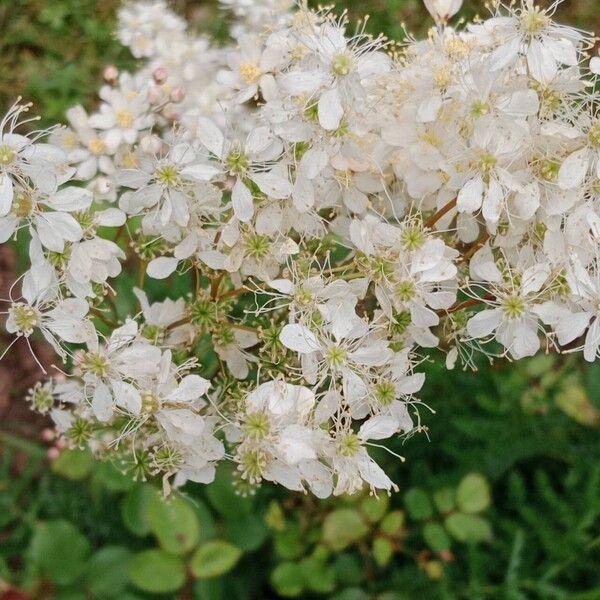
[
  {"x": 214, "y": 559},
  {"x": 156, "y": 571}
]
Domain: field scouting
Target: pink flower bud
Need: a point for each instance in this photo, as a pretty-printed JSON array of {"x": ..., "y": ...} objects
[
  {"x": 47, "y": 435},
  {"x": 442, "y": 10},
  {"x": 53, "y": 453},
  {"x": 111, "y": 74},
  {"x": 61, "y": 443},
  {"x": 177, "y": 94},
  {"x": 160, "y": 75},
  {"x": 154, "y": 96}
]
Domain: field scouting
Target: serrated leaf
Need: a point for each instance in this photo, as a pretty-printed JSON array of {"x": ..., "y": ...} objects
[
  {"x": 383, "y": 550},
  {"x": 343, "y": 527},
  {"x": 392, "y": 523},
  {"x": 468, "y": 527},
  {"x": 214, "y": 559},
  {"x": 473, "y": 493},
  {"x": 418, "y": 504},
  {"x": 174, "y": 523},
  {"x": 444, "y": 499},
  {"x": 134, "y": 509},
  {"x": 59, "y": 550},
  {"x": 156, "y": 571},
  {"x": 435, "y": 537},
  {"x": 374, "y": 507},
  {"x": 73, "y": 464},
  {"x": 106, "y": 572},
  {"x": 288, "y": 579}
]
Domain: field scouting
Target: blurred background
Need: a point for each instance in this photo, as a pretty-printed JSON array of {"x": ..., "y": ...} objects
[{"x": 502, "y": 502}]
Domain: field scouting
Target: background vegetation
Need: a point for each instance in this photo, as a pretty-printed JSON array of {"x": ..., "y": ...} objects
[{"x": 503, "y": 502}]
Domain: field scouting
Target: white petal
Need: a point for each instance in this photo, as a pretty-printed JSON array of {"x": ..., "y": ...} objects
[
  {"x": 210, "y": 135},
  {"x": 162, "y": 267},
  {"x": 330, "y": 110},
  {"x": 574, "y": 169},
  {"x": 201, "y": 172},
  {"x": 471, "y": 195},
  {"x": 6, "y": 194},
  {"x": 242, "y": 202},
  {"x": 298, "y": 338},
  {"x": 378, "y": 428},
  {"x": 190, "y": 387},
  {"x": 484, "y": 323}
]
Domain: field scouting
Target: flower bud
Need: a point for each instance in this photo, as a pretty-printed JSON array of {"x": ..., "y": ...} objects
[
  {"x": 47, "y": 435},
  {"x": 154, "y": 96},
  {"x": 150, "y": 144},
  {"x": 442, "y": 10},
  {"x": 53, "y": 453},
  {"x": 160, "y": 75},
  {"x": 110, "y": 74},
  {"x": 177, "y": 94}
]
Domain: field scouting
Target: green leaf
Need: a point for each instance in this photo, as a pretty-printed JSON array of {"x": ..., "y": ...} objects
[
  {"x": 444, "y": 499},
  {"x": 73, "y": 464},
  {"x": 473, "y": 493},
  {"x": 343, "y": 527},
  {"x": 106, "y": 572},
  {"x": 156, "y": 571},
  {"x": 134, "y": 509},
  {"x": 436, "y": 537},
  {"x": 393, "y": 522},
  {"x": 290, "y": 542},
  {"x": 375, "y": 507},
  {"x": 288, "y": 579},
  {"x": 59, "y": 550},
  {"x": 214, "y": 559},
  {"x": 174, "y": 523},
  {"x": 318, "y": 576},
  {"x": 418, "y": 504},
  {"x": 468, "y": 528},
  {"x": 383, "y": 550},
  {"x": 223, "y": 497},
  {"x": 248, "y": 532},
  {"x": 110, "y": 477}
]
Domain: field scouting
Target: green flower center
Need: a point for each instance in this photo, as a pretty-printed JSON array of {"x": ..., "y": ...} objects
[
  {"x": 342, "y": 64},
  {"x": 349, "y": 445},
  {"x": 257, "y": 246},
  {"x": 23, "y": 204},
  {"x": 594, "y": 134},
  {"x": 166, "y": 175},
  {"x": 257, "y": 426},
  {"x": 336, "y": 356},
  {"x": 385, "y": 392},
  {"x": 237, "y": 162},
  {"x": 7, "y": 155},
  {"x": 95, "y": 363},
  {"x": 513, "y": 306},
  {"x": 405, "y": 290},
  {"x": 26, "y": 318}
]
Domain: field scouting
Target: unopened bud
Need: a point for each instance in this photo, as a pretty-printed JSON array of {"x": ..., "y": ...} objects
[
  {"x": 102, "y": 186},
  {"x": 61, "y": 443},
  {"x": 177, "y": 94},
  {"x": 111, "y": 74},
  {"x": 53, "y": 453},
  {"x": 150, "y": 144},
  {"x": 442, "y": 10},
  {"x": 47, "y": 435},
  {"x": 154, "y": 96},
  {"x": 160, "y": 75}
]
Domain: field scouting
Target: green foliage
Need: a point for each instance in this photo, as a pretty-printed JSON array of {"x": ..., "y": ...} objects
[{"x": 502, "y": 503}]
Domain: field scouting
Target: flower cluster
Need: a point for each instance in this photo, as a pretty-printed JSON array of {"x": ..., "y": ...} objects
[{"x": 306, "y": 213}]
